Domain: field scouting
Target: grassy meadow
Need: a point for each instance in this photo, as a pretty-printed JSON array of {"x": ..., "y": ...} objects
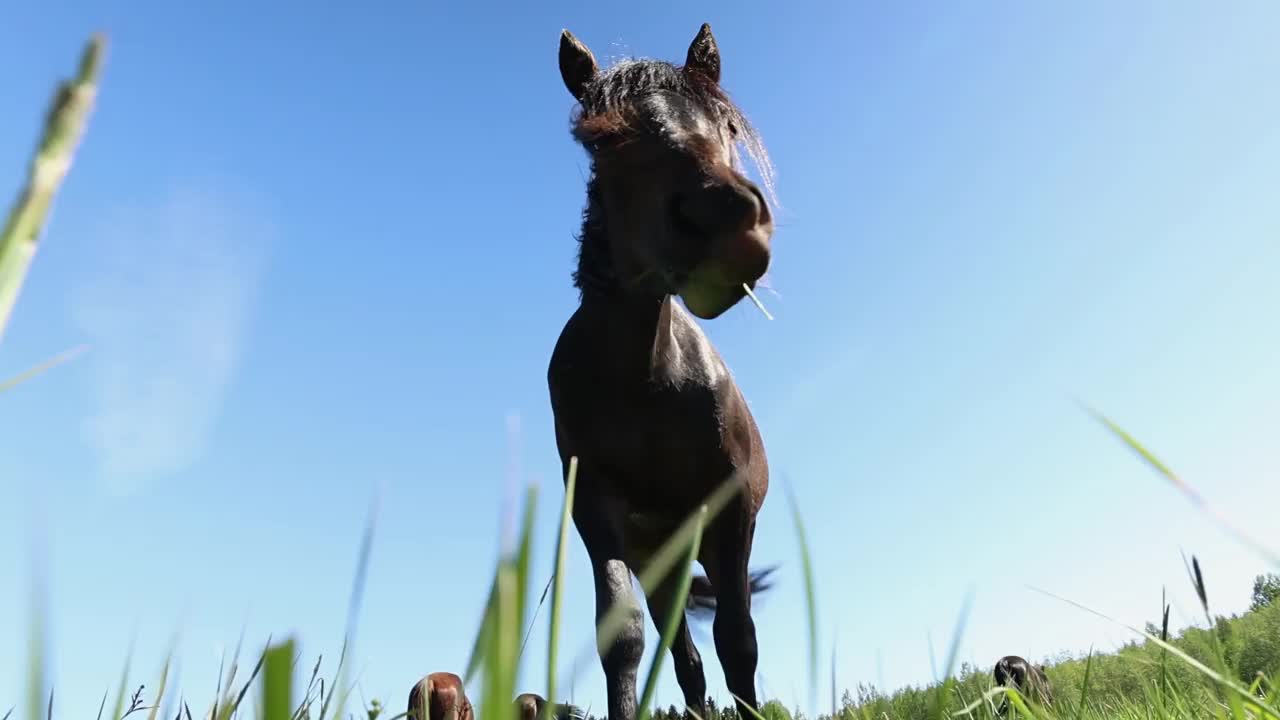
[{"x": 1228, "y": 669}]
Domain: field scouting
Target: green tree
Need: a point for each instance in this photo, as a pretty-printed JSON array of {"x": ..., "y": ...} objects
[
  {"x": 1266, "y": 591},
  {"x": 774, "y": 710}
]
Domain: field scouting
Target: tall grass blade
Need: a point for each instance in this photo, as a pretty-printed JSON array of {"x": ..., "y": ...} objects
[
  {"x": 1164, "y": 654},
  {"x": 229, "y": 709},
  {"x": 524, "y": 555},
  {"x": 223, "y": 697},
  {"x": 1205, "y": 670},
  {"x": 499, "y": 652},
  {"x": 1219, "y": 653},
  {"x": 488, "y": 620},
  {"x": 986, "y": 699},
  {"x": 353, "y": 611},
  {"x": 810, "y": 594},
  {"x": 674, "y": 616},
  {"x": 277, "y": 681},
  {"x": 834, "y": 708},
  {"x": 164, "y": 680},
  {"x": 64, "y": 125},
  {"x": 1186, "y": 489},
  {"x": 1019, "y": 702},
  {"x": 33, "y": 372},
  {"x": 557, "y": 587},
  {"x": 1084, "y": 687},
  {"x": 542, "y": 599},
  {"x": 36, "y": 624},
  {"x": 750, "y": 710},
  {"x": 117, "y": 707},
  {"x": 304, "y": 708},
  {"x": 941, "y": 695},
  {"x": 497, "y": 683}
]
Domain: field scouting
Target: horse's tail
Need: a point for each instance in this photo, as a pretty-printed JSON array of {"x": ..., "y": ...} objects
[{"x": 702, "y": 596}]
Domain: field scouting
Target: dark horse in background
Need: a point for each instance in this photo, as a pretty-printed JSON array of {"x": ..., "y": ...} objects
[
  {"x": 1030, "y": 680},
  {"x": 529, "y": 706},
  {"x": 639, "y": 394}
]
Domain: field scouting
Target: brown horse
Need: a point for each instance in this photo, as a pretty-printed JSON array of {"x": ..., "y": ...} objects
[
  {"x": 439, "y": 696},
  {"x": 1029, "y": 680},
  {"x": 528, "y": 706},
  {"x": 640, "y": 395}
]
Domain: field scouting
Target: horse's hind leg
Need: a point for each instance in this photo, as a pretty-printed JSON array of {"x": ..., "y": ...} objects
[
  {"x": 734, "y": 630},
  {"x": 593, "y": 516},
  {"x": 684, "y": 654}
]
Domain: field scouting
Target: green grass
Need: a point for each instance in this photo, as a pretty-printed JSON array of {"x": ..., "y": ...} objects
[
  {"x": 64, "y": 125},
  {"x": 1225, "y": 671}
]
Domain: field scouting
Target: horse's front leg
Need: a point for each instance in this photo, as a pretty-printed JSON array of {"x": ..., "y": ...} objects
[
  {"x": 595, "y": 516},
  {"x": 685, "y": 658},
  {"x": 733, "y": 628}
]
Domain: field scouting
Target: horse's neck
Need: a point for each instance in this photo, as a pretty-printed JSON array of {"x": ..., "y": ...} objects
[
  {"x": 650, "y": 338},
  {"x": 670, "y": 348},
  {"x": 627, "y": 326}
]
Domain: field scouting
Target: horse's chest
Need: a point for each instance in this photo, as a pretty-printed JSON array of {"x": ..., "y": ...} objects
[
  {"x": 660, "y": 426},
  {"x": 665, "y": 419},
  {"x": 655, "y": 430}
]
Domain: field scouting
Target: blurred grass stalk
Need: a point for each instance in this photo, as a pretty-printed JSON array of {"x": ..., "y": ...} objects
[{"x": 64, "y": 126}]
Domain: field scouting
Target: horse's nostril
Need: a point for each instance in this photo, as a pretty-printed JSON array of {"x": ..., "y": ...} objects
[
  {"x": 719, "y": 209},
  {"x": 762, "y": 206}
]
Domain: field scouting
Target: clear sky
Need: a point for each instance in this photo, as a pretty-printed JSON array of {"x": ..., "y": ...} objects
[{"x": 319, "y": 250}]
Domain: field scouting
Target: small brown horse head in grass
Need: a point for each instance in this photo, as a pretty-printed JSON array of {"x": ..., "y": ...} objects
[
  {"x": 439, "y": 696},
  {"x": 1029, "y": 680},
  {"x": 640, "y": 395},
  {"x": 529, "y": 706}
]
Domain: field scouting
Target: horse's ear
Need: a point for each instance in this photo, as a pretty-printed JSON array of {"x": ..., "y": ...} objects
[
  {"x": 577, "y": 64},
  {"x": 704, "y": 55}
]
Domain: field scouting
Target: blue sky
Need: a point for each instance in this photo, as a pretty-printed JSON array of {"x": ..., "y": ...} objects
[{"x": 322, "y": 252}]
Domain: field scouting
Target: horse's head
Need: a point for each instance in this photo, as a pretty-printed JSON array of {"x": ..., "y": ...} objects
[
  {"x": 439, "y": 696},
  {"x": 528, "y": 706},
  {"x": 679, "y": 216}
]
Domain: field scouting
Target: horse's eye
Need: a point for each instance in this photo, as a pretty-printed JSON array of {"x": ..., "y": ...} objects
[{"x": 733, "y": 128}]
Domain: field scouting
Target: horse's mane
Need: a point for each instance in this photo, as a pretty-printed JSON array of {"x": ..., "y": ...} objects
[{"x": 606, "y": 100}]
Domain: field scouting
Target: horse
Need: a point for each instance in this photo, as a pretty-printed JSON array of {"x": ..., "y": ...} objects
[
  {"x": 1030, "y": 680},
  {"x": 528, "y": 706},
  {"x": 439, "y": 696},
  {"x": 639, "y": 395}
]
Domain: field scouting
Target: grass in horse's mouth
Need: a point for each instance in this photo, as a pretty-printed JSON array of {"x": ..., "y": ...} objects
[{"x": 756, "y": 300}]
